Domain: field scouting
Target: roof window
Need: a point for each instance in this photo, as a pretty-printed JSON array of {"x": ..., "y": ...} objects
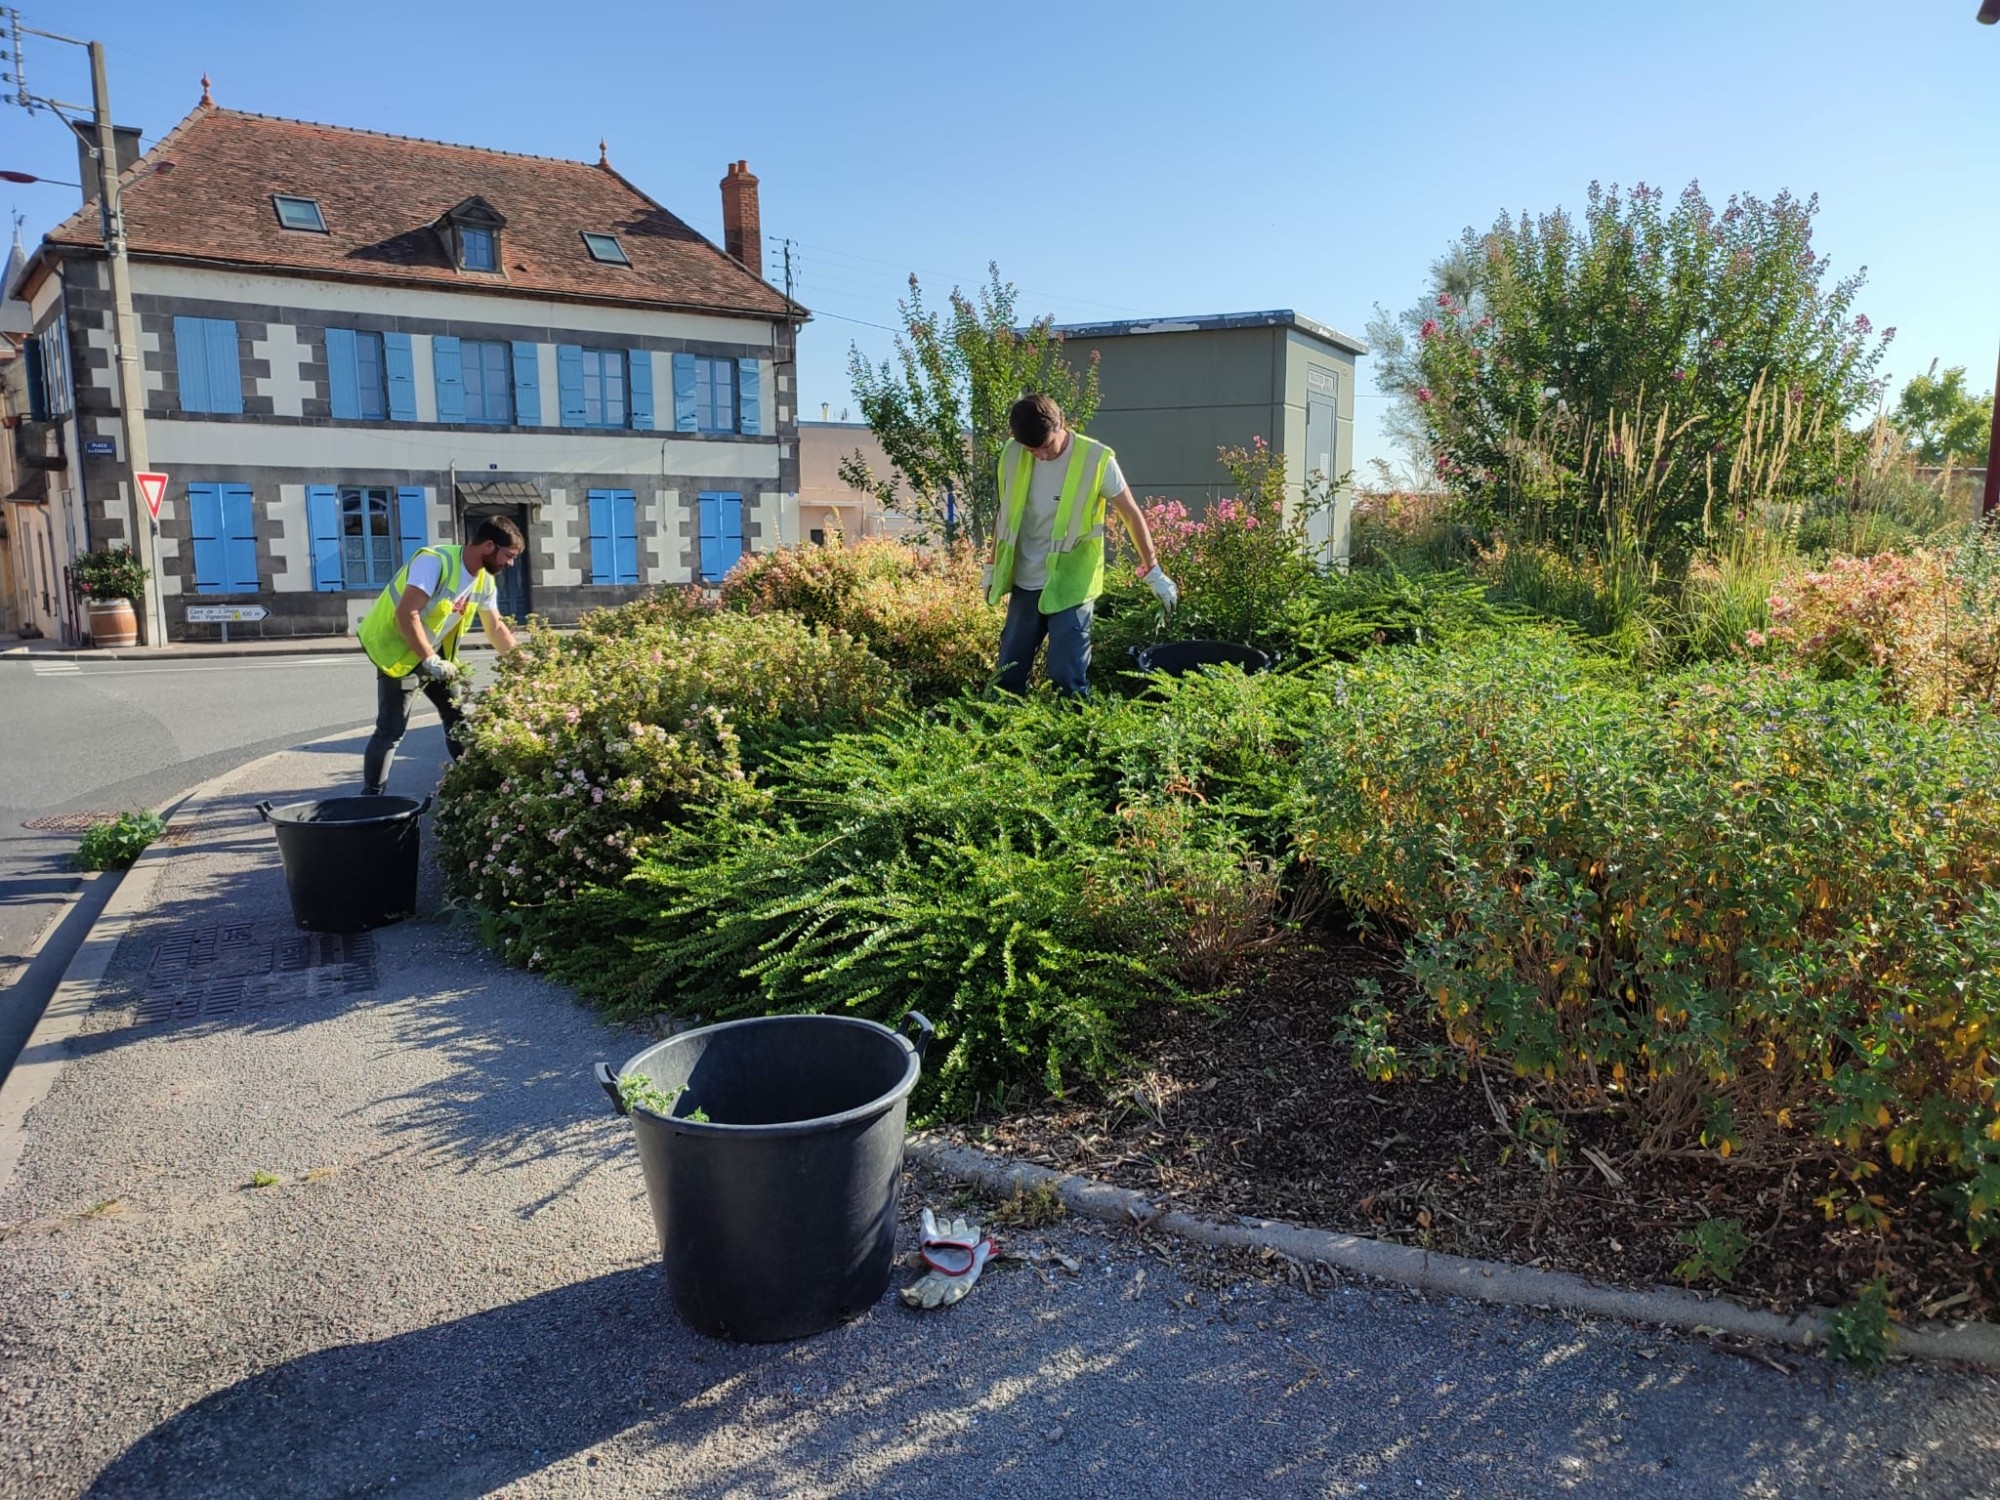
[
  {"x": 299, "y": 213},
  {"x": 605, "y": 247}
]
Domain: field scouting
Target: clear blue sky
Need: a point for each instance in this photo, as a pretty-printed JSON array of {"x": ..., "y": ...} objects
[{"x": 1125, "y": 160}]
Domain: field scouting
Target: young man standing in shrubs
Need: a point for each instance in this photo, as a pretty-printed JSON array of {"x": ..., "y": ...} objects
[
  {"x": 413, "y": 631},
  {"x": 1048, "y": 544}
]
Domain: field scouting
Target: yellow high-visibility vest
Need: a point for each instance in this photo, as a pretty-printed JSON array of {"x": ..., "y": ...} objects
[
  {"x": 384, "y": 643},
  {"x": 1076, "y": 549}
]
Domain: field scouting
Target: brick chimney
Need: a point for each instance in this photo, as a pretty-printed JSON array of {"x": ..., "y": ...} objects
[{"x": 742, "y": 228}]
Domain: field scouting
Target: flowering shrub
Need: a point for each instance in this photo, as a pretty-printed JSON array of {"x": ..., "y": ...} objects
[
  {"x": 1928, "y": 621},
  {"x": 588, "y": 744},
  {"x": 113, "y": 573},
  {"x": 925, "y": 614},
  {"x": 1749, "y": 911}
]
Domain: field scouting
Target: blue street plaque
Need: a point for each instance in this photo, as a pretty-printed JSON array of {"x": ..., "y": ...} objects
[{"x": 100, "y": 447}]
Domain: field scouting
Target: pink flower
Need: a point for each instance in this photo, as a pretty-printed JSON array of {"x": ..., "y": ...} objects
[
  {"x": 1429, "y": 330},
  {"x": 1862, "y": 324},
  {"x": 1444, "y": 301},
  {"x": 1754, "y": 638},
  {"x": 1680, "y": 374},
  {"x": 1424, "y": 395}
]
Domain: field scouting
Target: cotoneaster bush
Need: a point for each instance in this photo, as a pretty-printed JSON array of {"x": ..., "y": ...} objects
[
  {"x": 1751, "y": 911},
  {"x": 587, "y": 744}
]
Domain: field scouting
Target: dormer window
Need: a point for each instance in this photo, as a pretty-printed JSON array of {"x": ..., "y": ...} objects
[
  {"x": 299, "y": 213},
  {"x": 478, "y": 250},
  {"x": 471, "y": 235},
  {"x": 605, "y": 247}
]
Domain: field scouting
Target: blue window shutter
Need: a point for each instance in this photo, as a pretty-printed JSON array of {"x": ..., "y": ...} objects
[
  {"x": 225, "y": 371},
  {"x": 527, "y": 384},
  {"x": 401, "y": 368},
  {"x": 684, "y": 418},
  {"x": 603, "y": 564},
  {"x": 731, "y": 507},
  {"x": 323, "y": 526},
  {"x": 710, "y": 522},
  {"x": 410, "y": 522},
  {"x": 749, "y": 393},
  {"x": 211, "y": 562},
  {"x": 191, "y": 359},
  {"x": 38, "y": 399},
  {"x": 239, "y": 532},
  {"x": 343, "y": 375},
  {"x": 447, "y": 367},
  {"x": 625, "y": 536},
  {"x": 569, "y": 384},
  {"x": 639, "y": 388}
]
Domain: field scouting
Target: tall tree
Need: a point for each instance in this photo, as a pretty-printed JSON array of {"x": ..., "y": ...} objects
[
  {"x": 940, "y": 408},
  {"x": 1942, "y": 420},
  {"x": 1563, "y": 368}
]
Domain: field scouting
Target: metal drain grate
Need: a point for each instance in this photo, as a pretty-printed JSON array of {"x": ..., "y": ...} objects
[
  {"x": 76, "y": 822},
  {"x": 207, "y": 972}
]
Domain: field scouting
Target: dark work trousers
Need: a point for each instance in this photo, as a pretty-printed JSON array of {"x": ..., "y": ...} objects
[
  {"x": 1067, "y": 632},
  {"x": 392, "y": 718}
]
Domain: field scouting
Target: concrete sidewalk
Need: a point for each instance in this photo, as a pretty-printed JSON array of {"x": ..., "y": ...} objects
[
  {"x": 451, "y": 1287},
  {"x": 288, "y": 645}
]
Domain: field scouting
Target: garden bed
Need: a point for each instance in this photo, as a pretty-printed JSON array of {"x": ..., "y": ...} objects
[{"x": 1256, "y": 1109}]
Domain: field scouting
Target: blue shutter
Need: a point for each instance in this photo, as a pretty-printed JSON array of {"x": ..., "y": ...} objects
[
  {"x": 225, "y": 371},
  {"x": 569, "y": 384},
  {"x": 732, "y": 530},
  {"x": 38, "y": 396},
  {"x": 343, "y": 375},
  {"x": 191, "y": 359},
  {"x": 239, "y": 532},
  {"x": 211, "y": 560},
  {"x": 527, "y": 384},
  {"x": 323, "y": 526},
  {"x": 684, "y": 418},
  {"x": 447, "y": 368},
  {"x": 401, "y": 368},
  {"x": 411, "y": 525},
  {"x": 603, "y": 562},
  {"x": 639, "y": 388},
  {"x": 749, "y": 391},
  {"x": 625, "y": 535},
  {"x": 710, "y": 521}
]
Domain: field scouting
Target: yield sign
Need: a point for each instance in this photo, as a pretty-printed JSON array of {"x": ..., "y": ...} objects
[{"x": 154, "y": 488}]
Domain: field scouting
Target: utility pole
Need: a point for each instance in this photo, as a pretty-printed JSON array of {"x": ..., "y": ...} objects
[
  {"x": 1990, "y": 501},
  {"x": 144, "y": 529}
]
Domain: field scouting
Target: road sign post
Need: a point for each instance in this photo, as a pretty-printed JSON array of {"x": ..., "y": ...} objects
[{"x": 153, "y": 487}]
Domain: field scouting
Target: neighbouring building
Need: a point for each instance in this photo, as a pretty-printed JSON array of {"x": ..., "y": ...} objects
[
  {"x": 1175, "y": 390},
  {"x": 827, "y": 503},
  {"x": 36, "y": 540},
  {"x": 354, "y": 343}
]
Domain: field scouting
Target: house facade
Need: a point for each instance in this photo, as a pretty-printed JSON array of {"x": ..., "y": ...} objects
[
  {"x": 829, "y": 506},
  {"x": 356, "y": 343},
  {"x": 1175, "y": 390}
]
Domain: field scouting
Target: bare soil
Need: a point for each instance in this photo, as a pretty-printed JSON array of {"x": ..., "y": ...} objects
[{"x": 1257, "y": 1109}]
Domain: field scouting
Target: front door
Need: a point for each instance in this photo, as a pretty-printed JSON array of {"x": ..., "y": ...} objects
[
  {"x": 514, "y": 582},
  {"x": 1322, "y": 437}
]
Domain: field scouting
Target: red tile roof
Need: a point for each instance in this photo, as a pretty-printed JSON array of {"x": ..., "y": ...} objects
[{"x": 204, "y": 193}]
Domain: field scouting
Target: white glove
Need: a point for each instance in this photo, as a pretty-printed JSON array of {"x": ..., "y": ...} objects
[
  {"x": 435, "y": 668},
  {"x": 986, "y": 578},
  {"x": 1163, "y": 587}
]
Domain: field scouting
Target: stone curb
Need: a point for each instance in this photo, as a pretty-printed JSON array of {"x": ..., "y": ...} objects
[
  {"x": 1407, "y": 1265},
  {"x": 47, "y": 1048}
]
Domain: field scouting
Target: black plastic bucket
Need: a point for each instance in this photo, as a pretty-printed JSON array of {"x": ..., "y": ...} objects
[
  {"x": 1178, "y": 657},
  {"x": 777, "y": 1215},
  {"x": 350, "y": 862}
]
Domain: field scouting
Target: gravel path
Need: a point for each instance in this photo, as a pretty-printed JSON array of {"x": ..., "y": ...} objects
[{"x": 451, "y": 1290}]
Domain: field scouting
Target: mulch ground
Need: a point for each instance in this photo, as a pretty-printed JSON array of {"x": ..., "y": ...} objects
[{"x": 1257, "y": 1110}]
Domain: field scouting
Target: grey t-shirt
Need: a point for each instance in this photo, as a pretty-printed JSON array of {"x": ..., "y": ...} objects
[{"x": 1038, "y": 519}]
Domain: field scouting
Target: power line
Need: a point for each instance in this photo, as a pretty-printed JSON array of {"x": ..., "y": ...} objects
[{"x": 953, "y": 277}]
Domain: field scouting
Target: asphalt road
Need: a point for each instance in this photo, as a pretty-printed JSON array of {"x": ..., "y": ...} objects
[{"x": 115, "y": 735}]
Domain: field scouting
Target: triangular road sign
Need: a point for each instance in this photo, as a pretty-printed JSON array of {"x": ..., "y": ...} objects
[{"x": 154, "y": 488}]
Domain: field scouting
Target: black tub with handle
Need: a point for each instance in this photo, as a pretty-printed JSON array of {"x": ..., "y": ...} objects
[
  {"x": 350, "y": 862},
  {"x": 1175, "y": 658},
  {"x": 776, "y": 1210}
]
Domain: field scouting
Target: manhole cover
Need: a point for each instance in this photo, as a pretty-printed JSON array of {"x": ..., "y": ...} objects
[
  {"x": 79, "y": 822},
  {"x": 205, "y": 972}
]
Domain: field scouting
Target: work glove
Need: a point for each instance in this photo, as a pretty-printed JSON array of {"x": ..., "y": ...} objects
[
  {"x": 956, "y": 1254},
  {"x": 986, "y": 579},
  {"x": 1155, "y": 578},
  {"x": 435, "y": 668}
]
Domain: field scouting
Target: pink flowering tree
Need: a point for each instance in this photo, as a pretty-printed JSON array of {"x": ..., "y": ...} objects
[{"x": 1643, "y": 338}]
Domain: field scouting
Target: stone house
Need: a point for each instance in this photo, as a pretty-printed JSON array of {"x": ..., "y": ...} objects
[{"x": 354, "y": 343}]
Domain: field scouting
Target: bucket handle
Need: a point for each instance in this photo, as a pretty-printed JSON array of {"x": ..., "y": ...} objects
[
  {"x": 920, "y": 1035},
  {"x": 264, "y": 809},
  {"x": 609, "y": 1081}
]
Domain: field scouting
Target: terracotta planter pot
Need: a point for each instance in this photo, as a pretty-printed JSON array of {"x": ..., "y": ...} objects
[{"x": 113, "y": 623}]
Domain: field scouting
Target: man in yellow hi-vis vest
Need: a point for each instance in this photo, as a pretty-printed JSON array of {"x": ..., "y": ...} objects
[
  {"x": 413, "y": 631},
  {"x": 1048, "y": 544}
]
